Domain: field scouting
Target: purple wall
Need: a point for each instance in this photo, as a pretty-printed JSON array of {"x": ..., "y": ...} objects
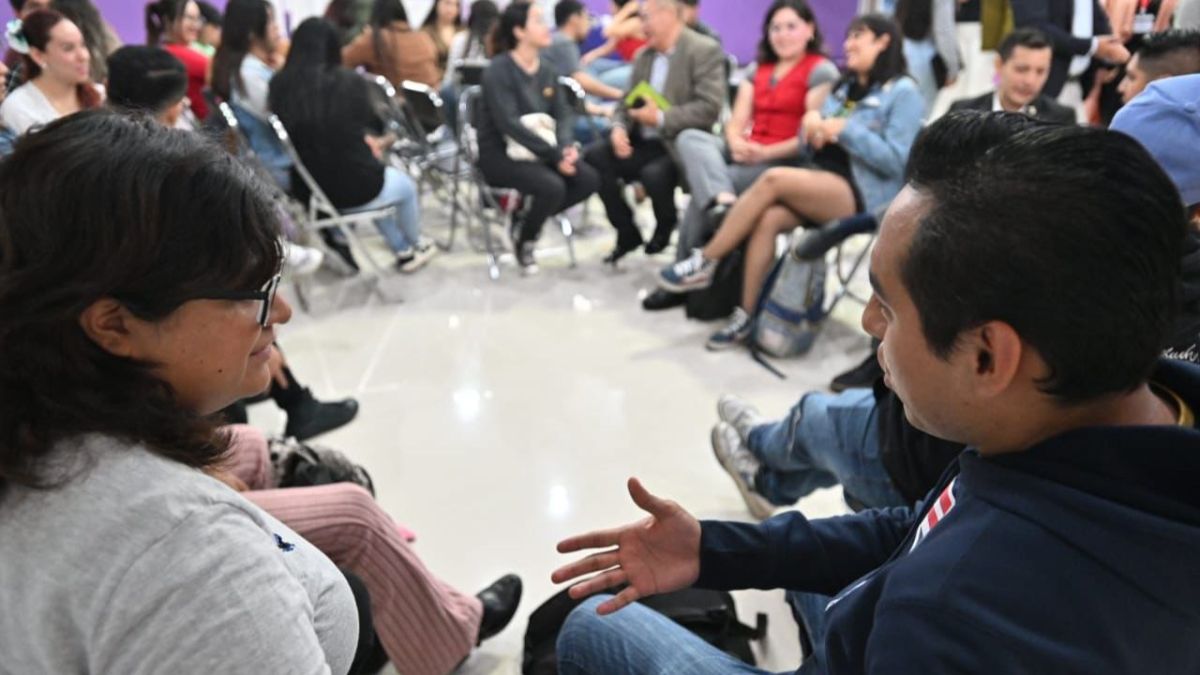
[{"x": 738, "y": 21}]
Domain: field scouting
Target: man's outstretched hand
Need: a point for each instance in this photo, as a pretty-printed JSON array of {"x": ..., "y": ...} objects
[{"x": 658, "y": 554}]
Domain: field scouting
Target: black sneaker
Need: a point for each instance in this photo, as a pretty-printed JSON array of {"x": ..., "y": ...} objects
[
  {"x": 311, "y": 417},
  {"x": 861, "y": 376}
]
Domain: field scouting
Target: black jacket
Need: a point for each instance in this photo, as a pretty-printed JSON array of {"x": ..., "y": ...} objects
[
  {"x": 1053, "y": 17},
  {"x": 1043, "y": 108},
  {"x": 1075, "y": 556}
]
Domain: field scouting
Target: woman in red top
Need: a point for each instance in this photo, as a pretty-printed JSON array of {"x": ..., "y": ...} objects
[
  {"x": 793, "y": 76},
  {"x": 624, "y": 38},
  {"x": 175, "y": 25}
]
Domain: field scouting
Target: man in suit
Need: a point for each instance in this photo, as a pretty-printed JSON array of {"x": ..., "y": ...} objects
[
  {"x": 688, "y": 69},
  {"x": 1079, "y": 32},
  {"x": 1022, "y": 66}
]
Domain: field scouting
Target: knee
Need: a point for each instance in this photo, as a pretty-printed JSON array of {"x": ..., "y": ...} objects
[
  {"x": 581, "y": 635},
  {"x": 775, "y": 176},
  {"x": 656, "y": 177},
  {"x": 689, "y": 139}
]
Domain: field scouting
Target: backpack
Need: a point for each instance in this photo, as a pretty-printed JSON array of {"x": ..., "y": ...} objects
[
  {"x": 296, "y": 464},
  {"x": 718, "y": 300},
  {"x": 711, "y": 615},
  {"x": 791, "y": 306}
]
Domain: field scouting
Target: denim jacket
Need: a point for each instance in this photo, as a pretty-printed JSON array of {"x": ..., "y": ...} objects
[{"x": 878, "y": 135}]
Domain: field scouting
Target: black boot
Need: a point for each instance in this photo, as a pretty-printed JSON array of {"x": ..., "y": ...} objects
[
  {"x": 500, "y": 601},
  {"x": 306, "y": 416}
]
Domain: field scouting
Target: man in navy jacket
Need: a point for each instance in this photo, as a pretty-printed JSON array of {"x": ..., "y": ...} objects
[{"x": 1022, "y": 299}]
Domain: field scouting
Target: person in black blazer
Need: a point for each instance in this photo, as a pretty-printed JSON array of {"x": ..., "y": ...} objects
[
  {"x": 1022, "y": 66},
  {"x": 1054, "y": 18}
]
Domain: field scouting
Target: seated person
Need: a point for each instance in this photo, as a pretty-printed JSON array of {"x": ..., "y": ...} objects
[
  {"x": 175, "y": 26},
  {"x": 246, "y": 60},
  {"x": 390, "y": 47},
  {"x": 860, "y": 140},
  {"x": 1022, "y": 66},
  {"x": 151, "y": 81},
  {"x": 516, "y": 84},
  {"x": 443, "y": 24},
  {"x": 55, "y": 65},
  {"x": 1077, "y": 449},
  {"x": 328, "y": 114},
  {"x": 1166, "y": 54},
  {"x": 687, "y": 70},
  {"x": 471, "y": 45},
  {"x": 691, "y": 16},
  {"x": 792, "y": 77},
  {"x": 110, "y": 385},
  {"x": 424, "y": 624},
  {"x": 574, "y": 24},
  {"x": 624, "y": 36}
]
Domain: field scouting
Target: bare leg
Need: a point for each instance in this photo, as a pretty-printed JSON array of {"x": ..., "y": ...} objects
[
  {"x": 812, "y": 194},
  {"x": 760, "y": 251}
]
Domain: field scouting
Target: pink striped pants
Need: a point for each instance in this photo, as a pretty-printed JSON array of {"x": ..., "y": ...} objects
[{"x": 425, "y": 626}]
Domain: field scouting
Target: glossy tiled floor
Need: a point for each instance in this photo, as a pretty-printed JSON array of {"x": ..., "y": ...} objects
[{"x": 499, "y": 417}]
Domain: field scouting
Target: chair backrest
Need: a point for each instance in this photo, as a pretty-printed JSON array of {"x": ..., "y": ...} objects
[
  {"x": 732, "y": 76},
  {"x": 425, "y": 104},
  {"x": 470, "y": 72},
  {"x": 318, "y": 202}
]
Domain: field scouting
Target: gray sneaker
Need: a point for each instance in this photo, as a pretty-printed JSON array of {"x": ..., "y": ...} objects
[
  {"x": 739, "y": 414},
  {"x": 742, "y": 466}
]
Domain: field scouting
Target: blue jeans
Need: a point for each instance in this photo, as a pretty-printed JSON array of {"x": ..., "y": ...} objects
[
  {"x": 825, "y": 440},
  {"x": 636, "y": 641},
  {"x": 612, "y": 72},
  {"x": 402, "y": 230}
]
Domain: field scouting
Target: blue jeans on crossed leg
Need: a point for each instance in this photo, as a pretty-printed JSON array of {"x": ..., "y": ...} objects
[
  {"x": 637, "y": 641},
  {"x": 402, "y": 230}
]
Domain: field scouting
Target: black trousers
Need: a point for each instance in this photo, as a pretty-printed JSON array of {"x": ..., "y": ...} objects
[
  {"x": 651, "y": 165},
  {"x": 550, "y": 191}
]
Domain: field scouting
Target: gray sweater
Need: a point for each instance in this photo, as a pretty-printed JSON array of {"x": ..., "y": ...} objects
[{"x": 141, "y": 565}]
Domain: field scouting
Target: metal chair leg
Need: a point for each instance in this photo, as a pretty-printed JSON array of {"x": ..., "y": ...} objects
[{"x": 569, "y": 234}]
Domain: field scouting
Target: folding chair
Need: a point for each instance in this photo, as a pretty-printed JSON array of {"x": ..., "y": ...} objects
[
  {"x": 321, "y": 213},
  {"x": 833, "y": 237}
]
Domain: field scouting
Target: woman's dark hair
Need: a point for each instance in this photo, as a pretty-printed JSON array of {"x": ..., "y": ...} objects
[
  {"x": 766, "y": 53},
  {"x": 431, "y": 17},
  {"x": 99, "y": 43},
  {"x": 313, "y": 87},
  {"x": 142, "y": 78},
  {"x": 504, "y": 36},
  {"x": 890, "y": 63},
  {"x": 210, "y": 13},
  {"x": 915, "y": 18},
  {"x": 36, "y": 29},
  {"x": 383, "y": 14},
  {"x": 156, "y": 217},
  {"x": 314, "y": 45},
  {"x": 161, "y": 15},
  {"x": 481, "y": 23},
  {"x": 1085, "y": 212},
  {"x": 244, "y": 21}
]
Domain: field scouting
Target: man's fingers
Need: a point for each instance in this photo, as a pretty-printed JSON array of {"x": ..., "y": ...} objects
[
  {"x": 646, "y": 501},
  {"x": 621, "y": 599},
  {"x": 596, "y": 539},
  {"x": 601, "y": 582},
  {"x": 594, "y": 563}
]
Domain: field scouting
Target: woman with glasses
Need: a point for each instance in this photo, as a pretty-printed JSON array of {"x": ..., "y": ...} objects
[{"x": 175, "y": 26}]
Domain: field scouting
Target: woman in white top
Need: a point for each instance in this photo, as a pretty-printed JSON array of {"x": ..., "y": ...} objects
[
  {"x": 56, "y": 66},
  {"x": 137, "y": 299},
  {"x": 245, "y": 62}
]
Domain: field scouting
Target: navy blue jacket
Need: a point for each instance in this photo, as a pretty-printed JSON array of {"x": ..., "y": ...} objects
[{"x": 1079, "y": 555}]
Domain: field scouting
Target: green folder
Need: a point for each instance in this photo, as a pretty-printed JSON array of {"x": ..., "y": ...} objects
[{"x": 644, "y": 90}]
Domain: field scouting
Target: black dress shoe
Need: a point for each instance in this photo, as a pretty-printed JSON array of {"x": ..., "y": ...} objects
[
  {"x": 660, "y": 300},
  {"x": 311, "y": 417},
  {"x": 658, "y": 244},
  {"x": 861, "y": 376},
  {"x": 500, "y": 601},
  {"x": 623, "y": 249}
]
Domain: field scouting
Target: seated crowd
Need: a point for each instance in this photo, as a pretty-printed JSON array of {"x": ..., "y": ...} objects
[{"x": 1014, "y": 444}]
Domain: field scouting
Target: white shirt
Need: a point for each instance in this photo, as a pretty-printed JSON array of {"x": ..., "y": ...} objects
[
  {"x": 1083, "y": 26},
  {"x": 27, "y": 107},
  {"x": 256, "y": 83},
  {"x": 996, "y": 107}
]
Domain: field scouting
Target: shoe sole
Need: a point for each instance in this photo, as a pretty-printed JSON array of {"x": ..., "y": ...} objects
[
  {"x": 684, "y": 287},
  {"x": 759, "y": 509},
  {"x": 725, "y": 346}
]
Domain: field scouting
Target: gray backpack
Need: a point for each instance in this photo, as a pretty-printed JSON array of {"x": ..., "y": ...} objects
[{"x": 790, "y": 307}]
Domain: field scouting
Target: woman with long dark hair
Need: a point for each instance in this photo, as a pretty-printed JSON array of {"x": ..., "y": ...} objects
[
  {"x": 100, "y": 37},
  {"x": 516, "y": 86},
  {"x": 472, "y": 43},
  {"x": 930, "y": 44},
  {"x": 859, "y": 142},
  {"x": 328, "y": 114},
  {"x": 56, "y": 66},
  {"x": 443, "y": 23},
  {"x": 792, "y": 76},
  {"x": 245, "y": 62},
  {"x": 131, "y": 311},
  {"x": 175, "y": 25},
  {"x": 390, "y": 47}
]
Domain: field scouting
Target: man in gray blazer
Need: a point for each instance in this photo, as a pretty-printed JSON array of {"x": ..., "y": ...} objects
[{"x": 688, "y": 70}]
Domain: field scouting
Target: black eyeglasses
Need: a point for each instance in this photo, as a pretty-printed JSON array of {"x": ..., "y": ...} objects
[{"x": 265, "y": 296}]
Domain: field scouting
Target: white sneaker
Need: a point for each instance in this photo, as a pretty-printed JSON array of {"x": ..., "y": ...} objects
[
  {"x": 417, "y": 257},
  {"x": 739, "y": 414},
  {"x": 301, "y": 260},
  {"x": 742, "y": 466}
]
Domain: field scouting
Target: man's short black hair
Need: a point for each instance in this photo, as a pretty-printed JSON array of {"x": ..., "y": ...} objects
[
  {"x": 1170, "y": 53},
  {"x": 143, "y": 78},
  {"x": 1029, "y": 38},
  {"x": 565, "y": 9},
  {"x": 957, "y": 140},
  {"x": 1071, "y": 235}
]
